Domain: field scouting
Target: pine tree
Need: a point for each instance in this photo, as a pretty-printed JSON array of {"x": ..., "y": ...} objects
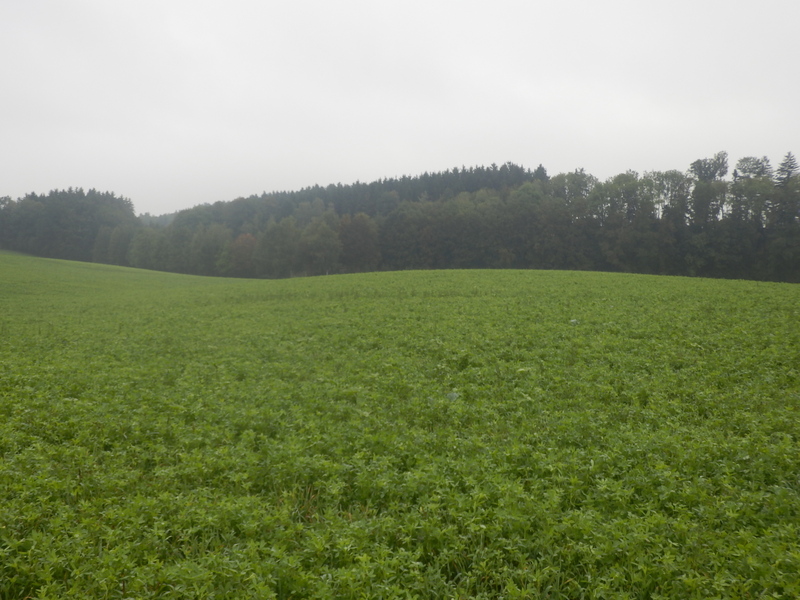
[{"x": 786, "y": 170}]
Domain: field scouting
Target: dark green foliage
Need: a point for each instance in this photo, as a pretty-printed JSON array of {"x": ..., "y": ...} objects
[
  {"x": 241, "y": 256},
  {"x": 66, "y": 224},
  {"x": 360, "y": 243},
  {"x": 277, "y": 252},
  {"x": 786, "y": 170},
  {"x": 710, "y": 169},
  {"x": 695, "y": 223},
  {"x": 149, "y": 248},
  {"x": 207, "y": 249},
  {"x": 319, "y": 248}
]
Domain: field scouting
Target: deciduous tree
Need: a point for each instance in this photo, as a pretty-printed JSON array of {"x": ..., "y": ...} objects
[{"x": 359, "y": 238}]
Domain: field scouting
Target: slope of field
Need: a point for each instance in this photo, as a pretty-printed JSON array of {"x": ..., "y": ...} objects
[{"x": 505, "y": 434}]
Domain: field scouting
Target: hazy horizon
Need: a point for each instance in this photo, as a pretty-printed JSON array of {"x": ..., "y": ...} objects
[{"x": 175, "y": 103}]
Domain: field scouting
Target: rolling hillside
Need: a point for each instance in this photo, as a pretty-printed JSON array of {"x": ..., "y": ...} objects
[{"x": 428, "y": 434}]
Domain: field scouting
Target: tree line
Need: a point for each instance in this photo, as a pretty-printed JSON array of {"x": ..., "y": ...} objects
[{"x": 698, "y": 222}]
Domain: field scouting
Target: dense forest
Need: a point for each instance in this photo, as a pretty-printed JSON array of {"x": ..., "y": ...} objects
[{"x": 699, "y": 222}]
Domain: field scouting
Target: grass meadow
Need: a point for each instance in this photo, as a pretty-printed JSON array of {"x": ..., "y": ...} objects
[{"x": 451, "y": 434}]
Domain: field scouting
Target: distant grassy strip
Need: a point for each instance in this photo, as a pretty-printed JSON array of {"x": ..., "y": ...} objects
[{"x": 473, "y": 434}]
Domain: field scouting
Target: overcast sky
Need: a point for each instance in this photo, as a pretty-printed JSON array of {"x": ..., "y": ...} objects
[{"x": 174, "y": 103}]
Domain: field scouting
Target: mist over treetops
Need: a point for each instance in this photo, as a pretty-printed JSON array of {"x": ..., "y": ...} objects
[{"x": 708, "y": 220}]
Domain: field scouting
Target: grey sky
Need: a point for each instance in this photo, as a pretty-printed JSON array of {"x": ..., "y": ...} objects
[{"x": 174, "y": 103}]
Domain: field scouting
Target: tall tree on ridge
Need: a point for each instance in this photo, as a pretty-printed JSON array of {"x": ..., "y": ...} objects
[{"x": 708, "y": 195}]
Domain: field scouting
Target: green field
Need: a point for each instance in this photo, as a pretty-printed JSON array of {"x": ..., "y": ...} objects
[{"x": 452, "y": 434}]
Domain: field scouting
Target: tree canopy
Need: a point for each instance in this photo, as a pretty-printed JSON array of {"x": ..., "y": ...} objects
[{"x": 694, "y": 222}]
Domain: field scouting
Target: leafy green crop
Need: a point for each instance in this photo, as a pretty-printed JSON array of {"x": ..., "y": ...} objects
[{"x": 458, "y": 434}]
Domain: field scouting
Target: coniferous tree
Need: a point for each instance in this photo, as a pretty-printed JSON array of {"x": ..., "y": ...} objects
[
  {"x": 697, "y": 223},
  {"x": 786, "y": 170}
]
